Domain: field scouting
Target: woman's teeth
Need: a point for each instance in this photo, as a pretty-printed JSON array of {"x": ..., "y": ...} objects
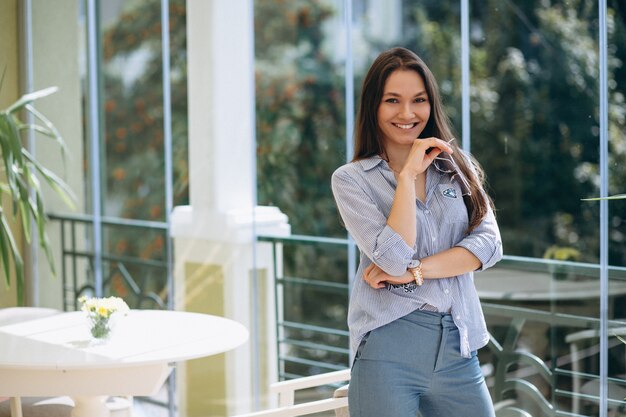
[{"x": 409, "y": 126}]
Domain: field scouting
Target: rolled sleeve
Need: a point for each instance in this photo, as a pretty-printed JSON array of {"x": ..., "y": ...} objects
[
  {"x": 367, "y": 225},
  {"x": 485, "y": 242}
]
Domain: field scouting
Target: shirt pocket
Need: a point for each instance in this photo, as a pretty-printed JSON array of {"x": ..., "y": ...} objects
[{"x": 450, "y": 200}]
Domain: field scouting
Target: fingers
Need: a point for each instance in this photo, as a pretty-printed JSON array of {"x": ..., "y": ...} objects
[
  {"x": 434, "y": 143},
  {"x": 372, "y": 278},
  {"x": 423, "y": 153}
]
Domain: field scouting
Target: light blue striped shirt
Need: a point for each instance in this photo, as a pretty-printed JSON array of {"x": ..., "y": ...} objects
[{"x": 364, "y": 192}]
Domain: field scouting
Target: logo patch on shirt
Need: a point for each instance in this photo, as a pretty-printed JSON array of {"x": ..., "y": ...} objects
[
  {"x": 408, "y": 287},
  {"x": 449, "y": 192}
]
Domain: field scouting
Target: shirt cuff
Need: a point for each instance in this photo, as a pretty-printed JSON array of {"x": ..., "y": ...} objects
[
  {"x": 487, "y": 254},
  {"x": 392, "y": 253}
]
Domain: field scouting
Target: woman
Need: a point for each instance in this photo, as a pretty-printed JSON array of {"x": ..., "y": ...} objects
[{"x": 415, "y": 205}]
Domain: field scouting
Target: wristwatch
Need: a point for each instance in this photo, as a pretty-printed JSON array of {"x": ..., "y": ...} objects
[{"x": 417, "y": 273}]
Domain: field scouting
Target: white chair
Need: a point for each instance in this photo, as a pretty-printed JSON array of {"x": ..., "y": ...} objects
[
  {"x": 339, "y": 403},
  {"x": 47, "y": 407},
  {"x": 286, "y": 395},
  {"x": 591, "y": 389}
]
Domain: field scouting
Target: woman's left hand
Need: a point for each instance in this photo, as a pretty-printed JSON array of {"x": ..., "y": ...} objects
[{"x": 377, "y": 278}]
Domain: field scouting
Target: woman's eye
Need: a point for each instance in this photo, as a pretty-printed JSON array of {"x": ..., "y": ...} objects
[
  {"x": 421, "y": 100},
  {"x": 391, "y": 100}
]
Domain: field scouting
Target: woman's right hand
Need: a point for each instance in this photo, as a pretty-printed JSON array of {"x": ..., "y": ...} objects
[
  {"x": 377, "y": 278},
  {"x": 420, "y": 157}
]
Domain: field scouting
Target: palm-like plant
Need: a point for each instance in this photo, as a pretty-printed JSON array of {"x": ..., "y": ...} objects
[{"x": 19, "y": 179}]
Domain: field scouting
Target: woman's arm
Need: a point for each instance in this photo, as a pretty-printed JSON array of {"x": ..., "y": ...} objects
[
  {"x": 445, "y": 264},
  {"x": 402, "y": 218},
  {"x": 479, "y": 250},
  {"x": 366, "y": 222},
  {"x": 449, "y": 263}
]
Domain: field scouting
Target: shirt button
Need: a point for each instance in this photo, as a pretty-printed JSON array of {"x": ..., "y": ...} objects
[
  {"x": 457, "y": 317},
  {"x": 427, "y": 211},
  {"x": 446, "y": 291},
  {"x": 434, "y": 238},
  {"x": 376, "y": 253}
]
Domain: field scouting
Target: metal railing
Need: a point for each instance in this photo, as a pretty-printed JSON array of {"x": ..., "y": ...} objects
[
  {"x": 517, "y": 371},
  {"x": 140, "y": 280},
  {"x": 304, "y": 347},
  {"x": 120, "y": 270},
  {"x": 312, "y": 291}
]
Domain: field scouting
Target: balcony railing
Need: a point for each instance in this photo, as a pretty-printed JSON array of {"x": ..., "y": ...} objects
[
  {"x": 547, "y": 380},
  {"x": 141, "y": 280}
]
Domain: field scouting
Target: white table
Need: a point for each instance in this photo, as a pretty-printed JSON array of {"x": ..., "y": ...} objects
[
  {"x": 55, "y": 355},
  {"x": 511, "y": 284}
]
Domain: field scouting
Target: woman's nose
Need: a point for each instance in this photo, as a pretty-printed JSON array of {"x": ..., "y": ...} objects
[{"x": 407, "y": 113}]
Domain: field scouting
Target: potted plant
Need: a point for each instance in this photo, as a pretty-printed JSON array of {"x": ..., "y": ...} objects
[{"x": 20, "y": 175}]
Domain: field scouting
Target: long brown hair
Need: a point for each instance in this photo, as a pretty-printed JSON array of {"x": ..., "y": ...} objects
[{"x": 368, "y": 139}]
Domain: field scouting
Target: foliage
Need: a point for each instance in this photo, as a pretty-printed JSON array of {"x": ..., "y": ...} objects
[
  {"x": 19, "y": 180},
  {"x": 133, "y": 152},
  {"x": 300, "y": 113},
  {"x": 300, "y": 117},
  {"x": 539, "y": 139},
  {"x": 99, "y": 311}
]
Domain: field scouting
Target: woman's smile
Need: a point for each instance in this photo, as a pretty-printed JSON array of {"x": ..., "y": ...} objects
[{"x": 405, "y": 126}]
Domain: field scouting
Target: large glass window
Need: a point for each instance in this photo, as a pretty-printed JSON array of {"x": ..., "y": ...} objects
[
  {"x": 536, "y": 122},
  {"x": 535, "y": 118},
  {"x": 300, "y": 60}
]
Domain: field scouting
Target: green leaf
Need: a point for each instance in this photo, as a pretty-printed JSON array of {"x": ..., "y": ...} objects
[
  {"x": 41, "y": 217},
  {"x": 613, "y": 197},
  {"x": 50, "y": 127},
  {"x": 4, "y": 255},
  {"x": 40, "y": 129},
  {"x": 17, "y": 259},
  {"x": 54, "y": 181},
  {"x": 25, "y": 219},
  {"x": 47, "y": 248},
  {"x": 9, "y": 144},
  {"x": 29, "y": 98},
  {"x": 4, "y": 71}
]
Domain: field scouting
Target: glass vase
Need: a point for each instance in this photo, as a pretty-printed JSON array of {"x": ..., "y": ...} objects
[{"x": 100, "y": 327}]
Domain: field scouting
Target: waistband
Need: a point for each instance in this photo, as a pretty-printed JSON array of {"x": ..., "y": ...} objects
[{"x": 431, "y": 317}]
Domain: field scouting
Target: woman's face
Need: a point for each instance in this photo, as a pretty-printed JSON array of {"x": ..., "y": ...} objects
[{"x": 404, "y": 108}]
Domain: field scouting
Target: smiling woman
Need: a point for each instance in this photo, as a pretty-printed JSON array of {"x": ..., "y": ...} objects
[{"x": 420, "y": 239}]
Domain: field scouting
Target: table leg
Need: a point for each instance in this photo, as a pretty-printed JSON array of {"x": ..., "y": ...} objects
[
  {"x": 16, "y": 407},
  {"x": 90, "y": 407}
]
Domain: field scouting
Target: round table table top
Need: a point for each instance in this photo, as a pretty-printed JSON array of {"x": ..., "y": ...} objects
[
  {"x": 518, "y": 285},
  {"x": 141, "y": 337}
]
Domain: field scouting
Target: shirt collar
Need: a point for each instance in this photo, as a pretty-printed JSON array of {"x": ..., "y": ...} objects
[{"x": 371, "y": 162}]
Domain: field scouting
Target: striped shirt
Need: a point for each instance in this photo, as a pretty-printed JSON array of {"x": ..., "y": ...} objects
[{"x": 364, "y": 192}]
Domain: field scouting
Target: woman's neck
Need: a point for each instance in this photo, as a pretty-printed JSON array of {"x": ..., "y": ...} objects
[{"x": 396, "y": 159}]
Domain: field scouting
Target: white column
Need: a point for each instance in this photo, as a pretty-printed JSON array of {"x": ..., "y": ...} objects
[
  {"x": 58, "y": 66},
  {"x": 214, "y": 237}
]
